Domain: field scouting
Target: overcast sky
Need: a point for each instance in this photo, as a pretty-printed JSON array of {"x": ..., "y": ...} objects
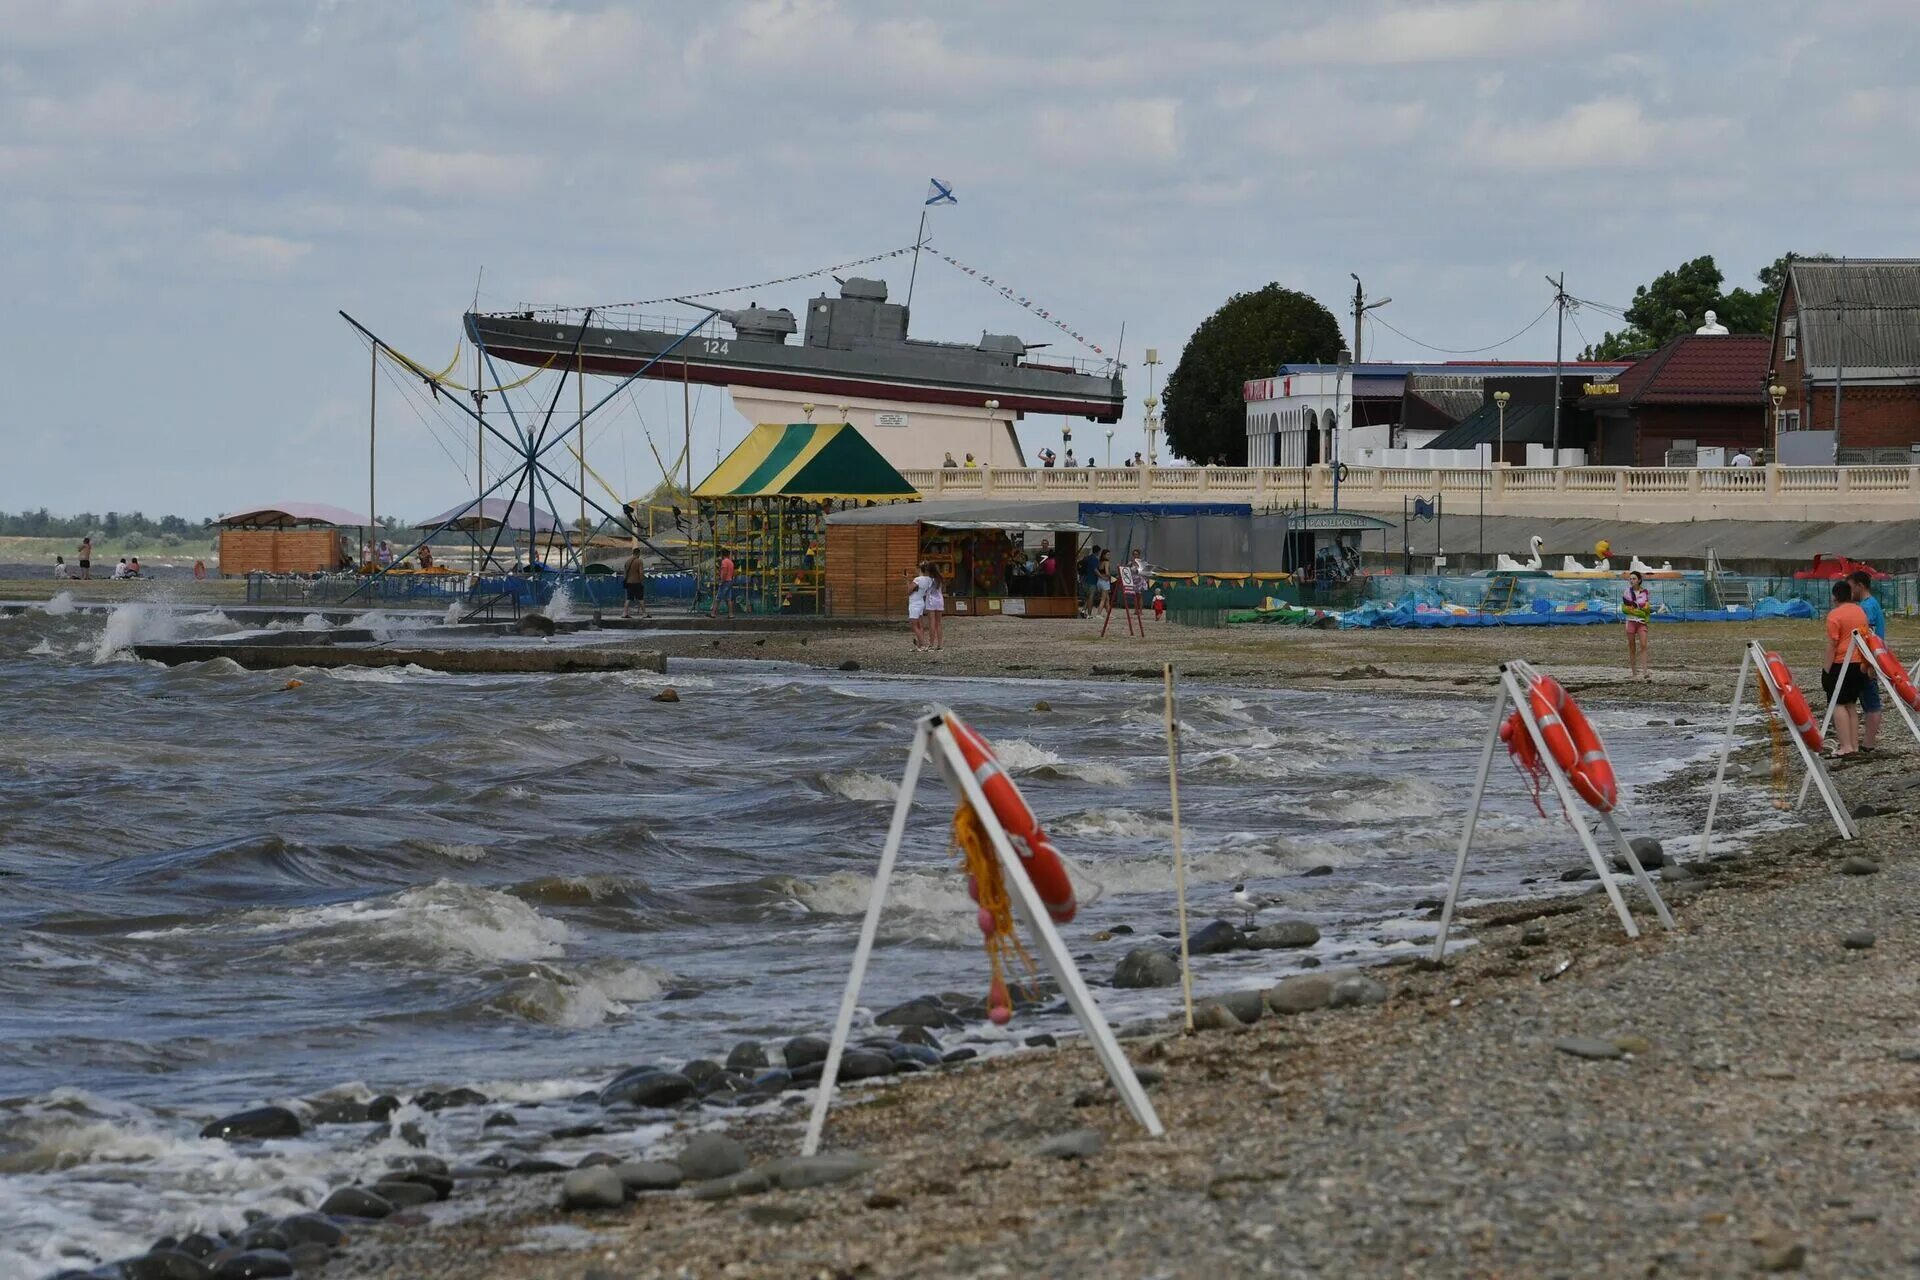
[{"x": 189, "y": 190}]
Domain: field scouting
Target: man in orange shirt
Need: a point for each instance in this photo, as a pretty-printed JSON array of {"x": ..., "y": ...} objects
[{"x": 1843, "y": 620}]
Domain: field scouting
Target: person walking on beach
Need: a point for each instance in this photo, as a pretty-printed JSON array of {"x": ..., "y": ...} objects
[
  {"x": 1870, "y": 706},
  {"x": 1843, "y": 620},
  {"x": 1089, "y": 567},
  {"x": 86, "y": 558},
  {"x": 1636, "y": 608},
  {"x": 917, "y": 607},
  {"x": 723, "y": 586},
  {"x": 1103, "y": 582},
  {"x": 936, "y": 604},
  {"x": 635, "y": 578}
]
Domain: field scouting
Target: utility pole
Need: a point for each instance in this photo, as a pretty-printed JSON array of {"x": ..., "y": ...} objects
[
  {"x": 1559, "y": 333},
  {"x": 373, "y": 400},
  {"x": 1360, "y": 308},
  {"x": 1839, "y": 364}
]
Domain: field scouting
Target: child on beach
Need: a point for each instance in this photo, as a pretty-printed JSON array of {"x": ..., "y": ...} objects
[
  {"x": 1636, "y": 607},
  {"x": 1159, "y": 606},
  {"x": 1843, "y": 620},
  {"x": 936, "y": 604}
]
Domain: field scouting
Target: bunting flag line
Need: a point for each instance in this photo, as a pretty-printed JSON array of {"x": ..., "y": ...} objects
[
  {"x": 1018, "y": 299},
  {"x": 739, "y": 288}
]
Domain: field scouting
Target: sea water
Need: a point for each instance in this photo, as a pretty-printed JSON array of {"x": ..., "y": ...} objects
[{"x": 216, "y": 891}]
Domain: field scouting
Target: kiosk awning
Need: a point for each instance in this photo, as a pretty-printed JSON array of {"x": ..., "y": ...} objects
[{"x": 1013, "y": 526}]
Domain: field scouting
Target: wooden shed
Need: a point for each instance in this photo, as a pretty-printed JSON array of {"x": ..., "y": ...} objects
[
  {"x": 288, "y": 537},
  {"x": 991, "y": 563}
]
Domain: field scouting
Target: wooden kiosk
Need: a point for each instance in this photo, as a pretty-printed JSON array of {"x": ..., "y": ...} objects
[
  {"x": 990, "y": 567},
  {"x": 289, "y": 537}
]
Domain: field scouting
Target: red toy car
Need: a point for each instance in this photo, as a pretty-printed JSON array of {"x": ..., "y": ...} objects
[{"x": 1826, "y": 566}]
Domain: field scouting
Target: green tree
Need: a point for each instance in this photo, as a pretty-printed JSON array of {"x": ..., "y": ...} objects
[
  {"x": 1248, "y": 337},
  {"x": 1677, "y": 302}
]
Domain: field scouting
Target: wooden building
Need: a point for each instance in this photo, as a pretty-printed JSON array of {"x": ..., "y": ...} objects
[
  {"x": 990, "y": 566},
  {"x": 288, "y": 537}
]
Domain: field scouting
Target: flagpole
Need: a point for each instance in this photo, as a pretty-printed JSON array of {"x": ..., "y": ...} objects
[{"x": 920, "y": 236}]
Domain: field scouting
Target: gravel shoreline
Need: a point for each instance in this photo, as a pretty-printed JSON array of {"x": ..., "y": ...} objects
[{"x": 1755, "y": 1106}]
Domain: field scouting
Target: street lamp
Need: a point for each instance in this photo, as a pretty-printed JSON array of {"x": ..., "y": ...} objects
[
  {"x": 1153, "y": 425},
  {"x": 1500, "y": 399},
  {"x": 993, "y": 430},
  {"x": 808, "y": 410},
  {"x": 1776, "y": 393},
  {"x": 1153, "y": 398},
  {"x": 1109, "y": 446}
]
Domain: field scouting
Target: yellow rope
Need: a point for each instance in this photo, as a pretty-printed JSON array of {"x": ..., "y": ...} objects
[
  {"x": 440, "y": 379},
  {"x": 975, "y": 850},
  {"x": 1779, "y": 749}
]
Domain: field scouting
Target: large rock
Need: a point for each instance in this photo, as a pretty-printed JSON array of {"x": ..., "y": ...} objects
[
  {"x": 1301, "y": 994},
  {"x": 1248, "y": 1006},
  {"x": 649, "y": 1175},
  {"x": 404, "y": 1195},
  {"x": 311, "y": 1228},
  {"x": 652, "y": 1089},
  {"x": 796, "y": 1173},
  {"x": 254, "y": 1264},
  {"x": 1215, "y": 1017},
  {"x": 748, "y": 1182},
  {"x": 1146, "y": 967},
  {"x": 865, "y": 1064},
  {"x": 356, "y": 1202},
  {"x": 261, "y": 1122},
  {"x": 749, "y": 1056},
  {"x": 1218, "y": 937},
  {"x": 711, "y": 1155},
  {"x": 918, "y": 1013},
  {"x": 1357, "y": 989},
  {"x": 1647, "y": 850},
  {"x": 1283, "y": 933},
  {"x": 803, "y": 1051},
  {"x": 596, "y": 1188}
]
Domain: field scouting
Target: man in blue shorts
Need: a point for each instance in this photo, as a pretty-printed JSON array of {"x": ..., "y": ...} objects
[{"x": 1876, "y": 618}]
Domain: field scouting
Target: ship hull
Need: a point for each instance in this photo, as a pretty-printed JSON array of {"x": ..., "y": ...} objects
[{"x": 827, "y": 375}]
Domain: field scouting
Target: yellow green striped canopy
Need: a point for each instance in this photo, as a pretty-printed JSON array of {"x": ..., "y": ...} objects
[{"x": 805, "y": 460}]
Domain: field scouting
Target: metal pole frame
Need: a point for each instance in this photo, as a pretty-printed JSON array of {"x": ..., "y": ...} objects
[
  {"x": 1179, "y": 861},
  {"x": 1856, "y": 644},
  {"x": 1755, "y": 658},
  {"x": 933, "y": 737},
  {"x": 1510, "y": 693}
]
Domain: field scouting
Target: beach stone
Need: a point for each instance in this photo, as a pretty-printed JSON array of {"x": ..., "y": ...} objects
[
  {"x": 1634, "y": 1044},
  {"x": 404, "y": 1195},
  {"x": 1649, "y": 851},
  {"x": 1357, "y": 989},
  {"x": 596, "y": 1188},
  {"x": 1868, "y": 809},
  {"x": 260, "y": 1122},
  {"x": 164, "y": 1264},
  {"x": 1283, "y": 933},
  {"x": 1533, "y": 934},
  {"x": 356, "y": 1202},
  {"x": 382, "y": 1107},
  {"x": 1790, "y": 1257},
  {"x": 711, "y": 1155},
  {"x": 1858, "y": 866},
  {"x": 920, "y": 1036},
  {"x": 1077, "y": 1144},
  {"x": 803, "y": 1051},
  {"x": 1249, "y": 1006},
  {"x": 201, "y": 1245},
  {"x": 703, "y": 1072},
  {"x": 776, "y": 1215},
  {"x": 772, "y": 1081},
  {"x": 952, "y": 1056},
  {"x": 865, "y": 1064},
  {"x": 1579, "y": 873},
  {"x": 807, "y": 1074},
  {"x": 649, "y": 1175},
  {"x": 918, "y": 1013},
  {"x": 653, "y": 1089},
  {"x": 1215, "y": 1017},
  {"x": 499, "y": 1119},
  {"x": 1909, "y": 1054},
  {"x": 748, "y": 1055},
  {"x": 1043, "y": 1040},
  {"x": 254, "y": 1263},
  {"x": 1301, "y": 994},
  {"x": 311, "y": 1256},
  {"x": 849, "y": 665},
  {"x": 797, "y": 1173},
  {"x": 1589, "y": 1047},
  {"x": 1219, "y": 937},
  {"x": 668, "y": 694},
  {"x": 340, "y": 1111},
  {"x": 748, "y": 1182},
  {"x": 537, "y": 1164},
  {"x": 1146, "y": 967},
  {"x": 1858, "y": 940},
  {"x": 1322, "y": 870},
  {"x": 311, "y": 1228},
  {"x": 263, "y": 1235},
  {"x": 918, "y": 1054}
]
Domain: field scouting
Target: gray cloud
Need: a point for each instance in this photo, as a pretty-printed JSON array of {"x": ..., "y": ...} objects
[{"x": 188, "y": 191}]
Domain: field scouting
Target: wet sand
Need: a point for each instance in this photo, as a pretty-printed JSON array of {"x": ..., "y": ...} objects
[{"x": 1762, "y": 1112}]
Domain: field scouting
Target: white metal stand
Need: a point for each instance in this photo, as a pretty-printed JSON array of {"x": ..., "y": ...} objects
[
  {"x": 1511, "y": 694},
  {"x": 933, "y": 738},
  {"x": 1857, "y": 646},
  {"x": 1755, "y": 660}
]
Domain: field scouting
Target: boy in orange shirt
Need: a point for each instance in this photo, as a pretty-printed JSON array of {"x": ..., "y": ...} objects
[{"x": 1843, "y": 620}]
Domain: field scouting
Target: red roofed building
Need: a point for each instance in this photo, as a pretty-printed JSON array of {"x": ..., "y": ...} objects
[{"x": 1700, "y": 391}]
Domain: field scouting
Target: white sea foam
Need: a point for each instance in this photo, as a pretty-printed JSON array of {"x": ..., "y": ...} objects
[
  {"x": 1017, "y": 755},
  {"x": 142, "y": 622},
  {"x": 932, "y": 907},
  {"x": 860, "y": 785},
  {"x": 379, "y": 675},
  {"x": 1377, "y": 802},
  {"x": 60, "y": 606},
  {"x": 1111, "y": 824},
  {"x": 558, "y": 997},
  {"x": 43, "y": 649}
]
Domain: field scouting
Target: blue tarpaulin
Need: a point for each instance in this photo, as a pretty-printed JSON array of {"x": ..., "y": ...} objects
[{"x": 1408, "y": 612}]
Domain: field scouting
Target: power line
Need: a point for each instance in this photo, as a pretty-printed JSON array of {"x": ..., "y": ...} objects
[{"x": 1467, "y": 351}]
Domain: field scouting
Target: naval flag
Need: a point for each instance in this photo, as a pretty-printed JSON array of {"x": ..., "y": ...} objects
[{"x": 939, "y": 192}]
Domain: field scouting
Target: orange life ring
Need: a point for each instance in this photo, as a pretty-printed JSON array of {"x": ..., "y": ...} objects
[
  {"x": 1574, "y": 743},
  {"x": 1895, "y": 673},
  {"x": 1038, "y": 857},
  {"x": 1794, "y": 703}
]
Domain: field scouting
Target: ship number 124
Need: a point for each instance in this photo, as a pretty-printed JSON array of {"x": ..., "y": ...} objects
[{"x": 715, "y": 346}]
